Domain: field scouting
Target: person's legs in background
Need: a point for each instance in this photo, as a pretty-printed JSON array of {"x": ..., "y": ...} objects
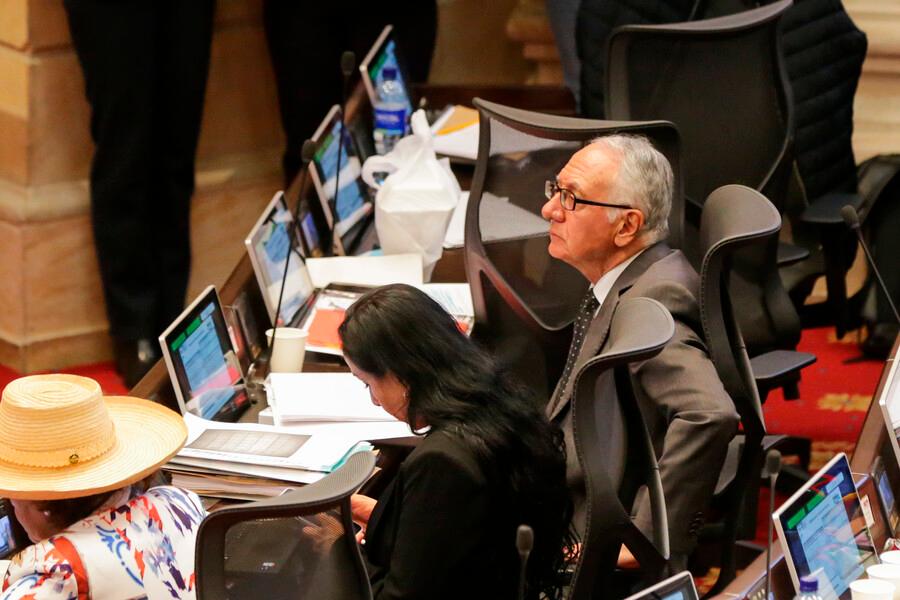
[
  {"x": 183, "y": 53},
  {"x": 562, "y": 15},
  {"x": 118, "y": 47}
]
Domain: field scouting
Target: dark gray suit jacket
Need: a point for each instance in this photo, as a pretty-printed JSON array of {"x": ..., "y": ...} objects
[{"x": 689, "y": 415}]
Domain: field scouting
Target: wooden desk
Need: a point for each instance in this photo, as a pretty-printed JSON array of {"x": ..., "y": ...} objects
[
  {"x": 873, "y": 439},
  {"x": 156, "y": 385}
]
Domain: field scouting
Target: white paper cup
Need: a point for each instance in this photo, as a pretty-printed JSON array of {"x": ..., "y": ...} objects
[
  {"x": 892, "y": 557},
  {"x": 871, "y": 589},
  {"x": 288, "y": 350},
  {"x": 886, "y": 572}
]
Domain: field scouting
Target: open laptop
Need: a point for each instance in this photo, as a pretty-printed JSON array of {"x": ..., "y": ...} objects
[
  {"x": 319, "y": 311},
  {"x": 202, "y": 363},
  {"x": 676, "y": 587},
  {"x": 348, "y": 212},
  {"x": 822, "y": 530},
  {"x": 455, "y": 128}
]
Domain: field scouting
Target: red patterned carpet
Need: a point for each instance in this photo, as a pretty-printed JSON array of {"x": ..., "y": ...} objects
[
  {"x": 104, "y": 373},
  {"x": 834, "y": 396}
]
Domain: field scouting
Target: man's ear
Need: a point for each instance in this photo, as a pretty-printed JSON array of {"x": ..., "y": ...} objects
[{"x": 629, "y": 227}]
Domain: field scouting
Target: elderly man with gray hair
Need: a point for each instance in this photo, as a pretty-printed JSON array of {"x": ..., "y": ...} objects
[{"x": 608, "y": 210}]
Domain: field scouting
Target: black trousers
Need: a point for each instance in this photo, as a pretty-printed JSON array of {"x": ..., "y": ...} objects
[
  {"x": 306, "y": 40},
  {"x": 145, "y": 66}
]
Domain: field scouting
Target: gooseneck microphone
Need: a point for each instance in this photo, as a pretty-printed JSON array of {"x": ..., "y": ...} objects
[
  {"x": 306, "y": 154},
  {"x": 773, "y": 468},
  {"x": 524, "y": 544},
  {"x": 851, "y": 218},
  {"x": 348, "y": 62}
]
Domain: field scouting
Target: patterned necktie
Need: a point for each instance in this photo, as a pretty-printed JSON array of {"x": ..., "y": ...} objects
[{"x": 585, "y": 315}]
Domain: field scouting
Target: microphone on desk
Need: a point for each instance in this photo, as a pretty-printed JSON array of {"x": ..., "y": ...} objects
[
  {"x": 851, "y": 218},
  {"x": 524, "y": 544},
  {"x": 348, "y": 63},
  {"x": 773, "y": 468},
  {"x": 306, "y": 155}
]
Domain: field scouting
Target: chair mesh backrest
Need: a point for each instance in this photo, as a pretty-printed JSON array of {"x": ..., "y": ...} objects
[
  {"x": 291, "y": 557},
  {"x": 299, "y": 545},
  {"x": 525, "y": 300},
  {"x": 734, "y": 217},
  {"x": 615, "y": 451},
  {"x": 721, "y": 82}
]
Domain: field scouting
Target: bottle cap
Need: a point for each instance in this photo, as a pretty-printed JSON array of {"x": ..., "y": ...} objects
[
  {"x": 809, "y": 583},
  {"x": 389, "y": 73}
]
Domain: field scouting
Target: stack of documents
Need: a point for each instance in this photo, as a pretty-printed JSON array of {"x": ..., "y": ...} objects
[
  {"x": 244, "y": 460},
  {"x": 316, "y": 397}
]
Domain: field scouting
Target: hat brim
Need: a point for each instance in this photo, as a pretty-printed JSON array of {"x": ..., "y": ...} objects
[{"x": 147, "y": 436}]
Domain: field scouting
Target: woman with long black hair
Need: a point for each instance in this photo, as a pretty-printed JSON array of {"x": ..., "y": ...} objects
[{"x": 489, "y": 461}]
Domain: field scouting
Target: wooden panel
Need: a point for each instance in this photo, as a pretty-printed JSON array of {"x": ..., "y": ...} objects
[
  {"x": 62, "y": 352},
  {"x": 12, "y": 299},
  {"x": 241, "y": 111},
  {"x": 48, "y": 26},
  {"x": 13, "y": 148},
  {"x": 220, "y": 220},
  {"x": 14, "y": 23},
  {"x": 62, "y": 284},
  {"x": 14, "y": 75}
]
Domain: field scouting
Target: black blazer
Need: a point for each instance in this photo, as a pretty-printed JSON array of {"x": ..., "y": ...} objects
[{"x": 439, "y": 530}]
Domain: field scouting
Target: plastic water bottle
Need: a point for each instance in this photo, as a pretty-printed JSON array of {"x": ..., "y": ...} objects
[
  {"x": 809, "y": 588},
  {"x": 390, "y": 112}
]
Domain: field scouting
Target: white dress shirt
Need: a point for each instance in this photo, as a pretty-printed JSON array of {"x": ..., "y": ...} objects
[{"x": 603, "y": 285}]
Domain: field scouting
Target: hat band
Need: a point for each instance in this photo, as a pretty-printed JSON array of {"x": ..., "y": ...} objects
[{"x": 61, "y": 457}]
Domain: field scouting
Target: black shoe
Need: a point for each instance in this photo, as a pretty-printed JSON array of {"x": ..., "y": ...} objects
[
  {"x": 134, "y": 358},
  {"x": 880, "y": 340}
]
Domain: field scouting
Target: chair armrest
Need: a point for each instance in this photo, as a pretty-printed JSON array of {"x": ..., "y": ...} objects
[
  {"x": 826, "y": 210},
  {"x": 789, "y": 254},
  {"x": 778, "y": 368}
]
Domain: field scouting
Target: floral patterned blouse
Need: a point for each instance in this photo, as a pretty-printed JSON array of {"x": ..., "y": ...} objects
[{"x": 143, "y": 548}]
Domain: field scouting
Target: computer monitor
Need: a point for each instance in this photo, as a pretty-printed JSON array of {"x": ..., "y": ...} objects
[
  {"x": 384, "y": 53},
  {"x": 823, "y": 531},
  {"x": 889, "y": 402},
  {"x": 346, "y": 211},
  {"x": 887, "y": 501},
  {"x": 201, "y": 361},
  {"x": 267, "y": 245},
  {"x": 677, "y": 587}
]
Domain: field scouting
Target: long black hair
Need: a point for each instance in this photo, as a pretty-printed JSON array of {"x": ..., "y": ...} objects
[{"x": 456, "y": 387}]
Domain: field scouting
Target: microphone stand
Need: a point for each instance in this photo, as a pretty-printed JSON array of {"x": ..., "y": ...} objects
[{"x": 348, "y": 61}]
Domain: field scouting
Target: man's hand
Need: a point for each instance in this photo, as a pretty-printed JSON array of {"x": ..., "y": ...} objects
[{"x": 361, "y": 508}]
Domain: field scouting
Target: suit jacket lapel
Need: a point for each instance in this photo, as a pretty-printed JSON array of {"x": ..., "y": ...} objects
[{"x": 598, "y": 330}]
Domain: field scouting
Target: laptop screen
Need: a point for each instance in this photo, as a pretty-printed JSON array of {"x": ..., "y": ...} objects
[
  {"x": 677, "y": 587},
  {"x": 267, "y": 244},
  {"x": 823, "y": 531},
  {"x": 200, "y": 358},
  {"x": 384, "y": 53},
  {"x": 351, "y": 203}
]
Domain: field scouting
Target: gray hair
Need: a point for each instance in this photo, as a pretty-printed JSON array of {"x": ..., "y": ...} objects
[{"x": 644, "y": 181}]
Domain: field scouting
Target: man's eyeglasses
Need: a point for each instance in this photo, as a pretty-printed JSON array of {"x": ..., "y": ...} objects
[{"x": 568, "y": 199}]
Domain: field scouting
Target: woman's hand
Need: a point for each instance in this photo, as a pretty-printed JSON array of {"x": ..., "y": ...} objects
[{"x": 361, "y": 508}]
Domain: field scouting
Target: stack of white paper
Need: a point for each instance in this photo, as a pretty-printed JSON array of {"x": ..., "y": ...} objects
[
  {"x": 296, "y": 397},
  {"x": 365, "y": 270}
]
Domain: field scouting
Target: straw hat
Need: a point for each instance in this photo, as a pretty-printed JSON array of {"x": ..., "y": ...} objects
[{"x": 61, "y": 438}]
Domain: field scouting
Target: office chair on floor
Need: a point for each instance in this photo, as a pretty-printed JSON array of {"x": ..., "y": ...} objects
[
  {"x": 298, "y": 545},
  {"x": 735, "y": 219},
  {"x": 722, "y": 82},
  {"x": 616, "y": 454},
  {"x": 525, "y": 301}
]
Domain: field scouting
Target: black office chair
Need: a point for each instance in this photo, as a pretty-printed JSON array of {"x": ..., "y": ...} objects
[
  {"x": 737, "y": 218},
  {"x": 722, "y": 82},
  {"x": 616, "y": 453},
  {"x": 525, "y": 301},
  {"x": 299, "y": 545}
]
